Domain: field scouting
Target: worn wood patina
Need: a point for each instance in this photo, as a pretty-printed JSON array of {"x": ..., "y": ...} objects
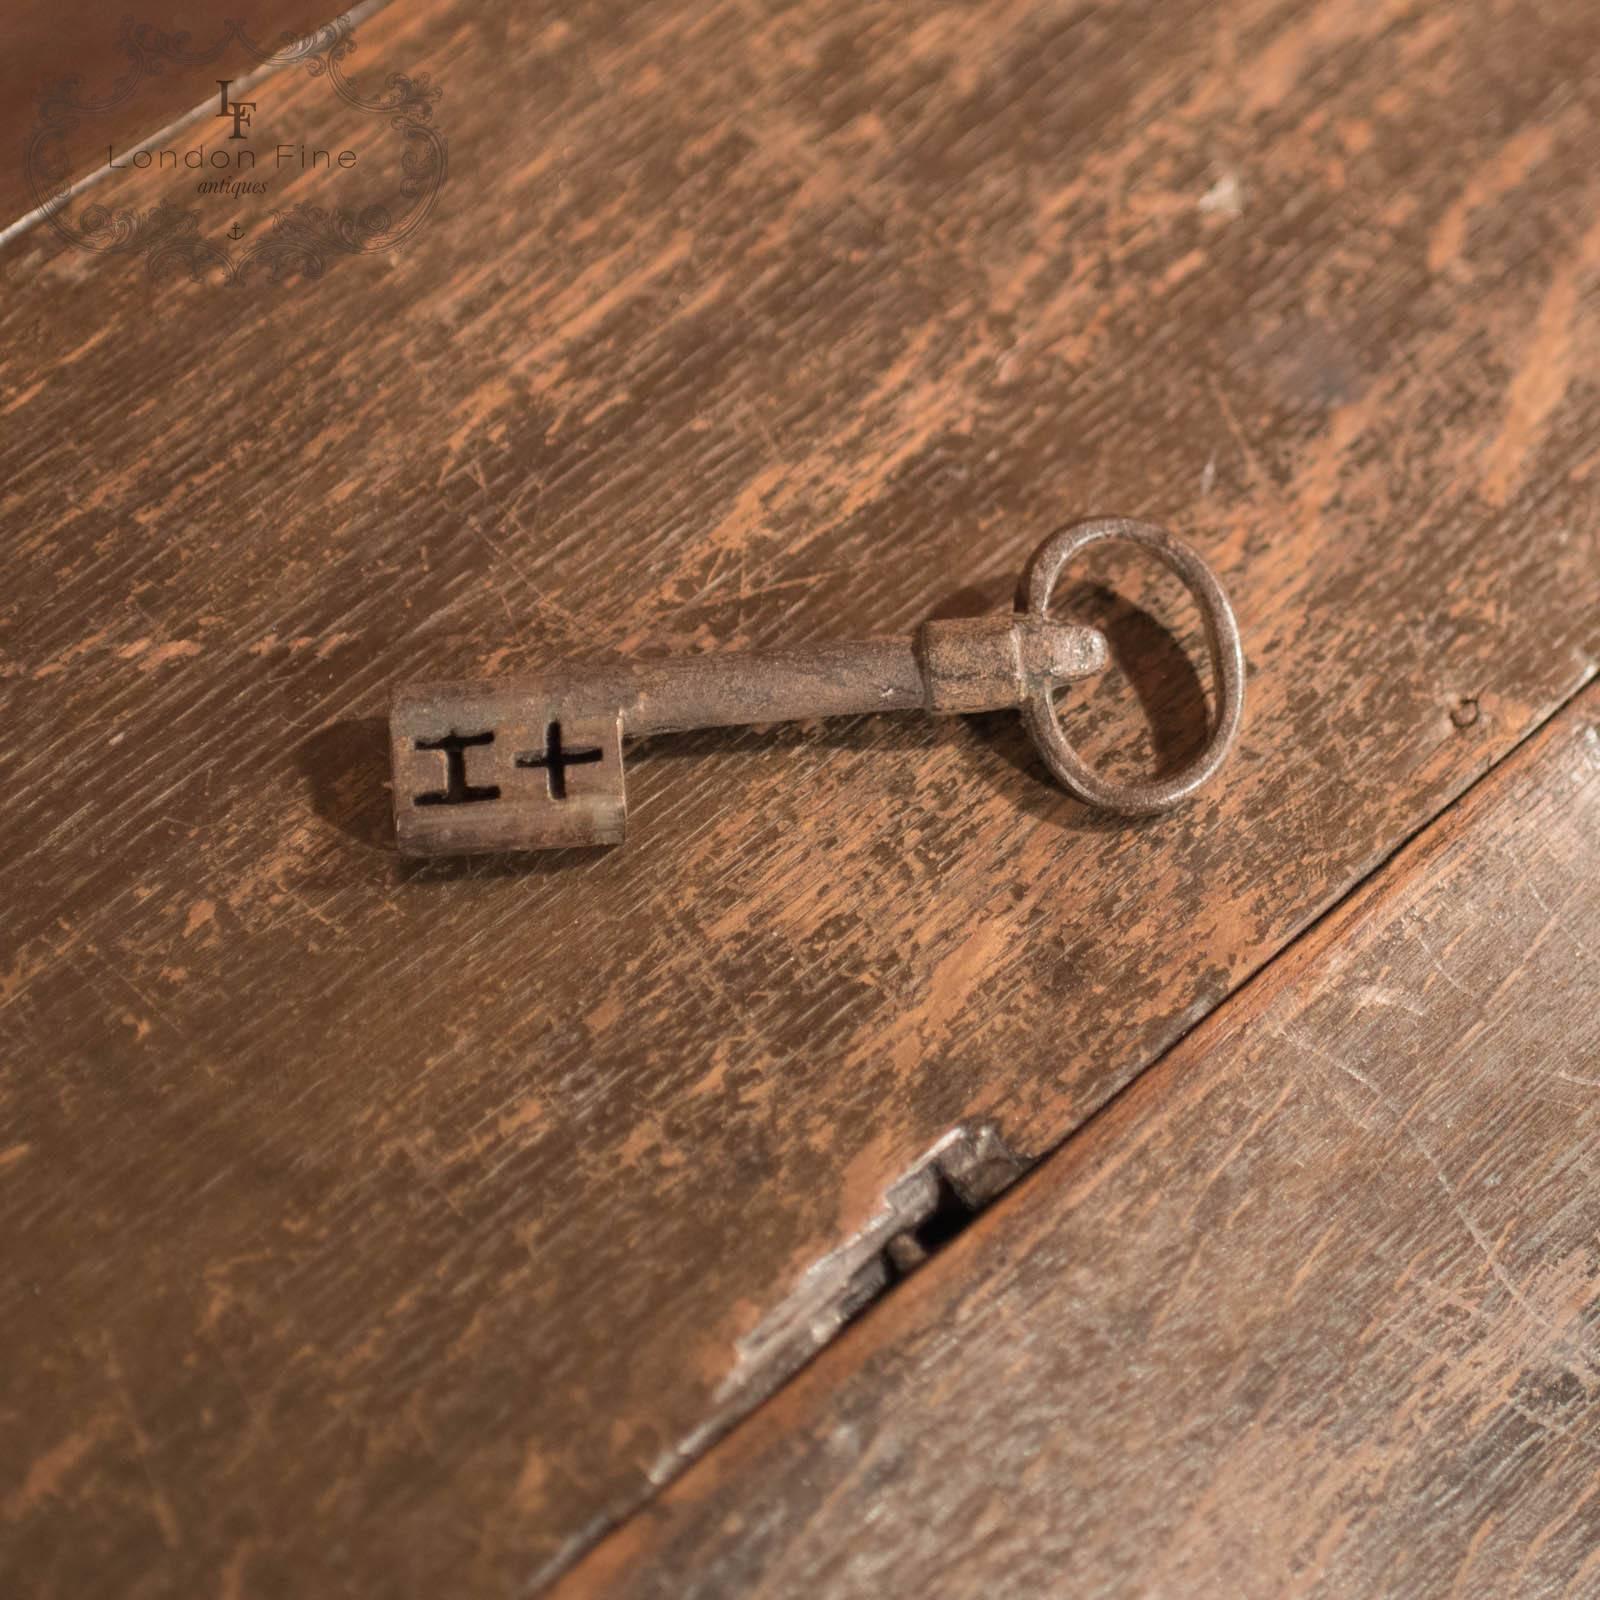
[
  {"x": 379, "y": 1228},
  {"x": 1312, "y": 1310}
]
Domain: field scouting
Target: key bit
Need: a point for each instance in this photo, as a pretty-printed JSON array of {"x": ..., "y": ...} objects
[{"x": 537, "y": 762}]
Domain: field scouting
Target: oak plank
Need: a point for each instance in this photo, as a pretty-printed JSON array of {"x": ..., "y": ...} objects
[
  {"x": 1312, "y": 1310},
  {"x": 376, "y": 1229}
]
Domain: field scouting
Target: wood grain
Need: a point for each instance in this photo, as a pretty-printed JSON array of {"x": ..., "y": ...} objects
[
  {"x": 376, "y": 1230},
  {"x": 1312, "y": 1311}
]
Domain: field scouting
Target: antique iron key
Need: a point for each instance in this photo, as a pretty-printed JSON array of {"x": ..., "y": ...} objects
[{"x": 536, "y": 762}]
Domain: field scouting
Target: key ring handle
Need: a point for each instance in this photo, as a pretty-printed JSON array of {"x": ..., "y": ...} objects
[{"x": 1149, "y": 795}]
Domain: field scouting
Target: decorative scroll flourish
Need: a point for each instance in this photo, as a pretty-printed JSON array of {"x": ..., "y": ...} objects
[{"x": 304, "y": 238}]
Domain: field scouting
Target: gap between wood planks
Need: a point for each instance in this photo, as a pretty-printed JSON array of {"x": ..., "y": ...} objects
[
  {"x": 31, "y": 219},
  {"x": 932, "y": 1204}
]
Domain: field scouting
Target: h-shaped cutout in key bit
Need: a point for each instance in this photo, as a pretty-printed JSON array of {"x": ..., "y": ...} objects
[{"x": 536, "y": 763}]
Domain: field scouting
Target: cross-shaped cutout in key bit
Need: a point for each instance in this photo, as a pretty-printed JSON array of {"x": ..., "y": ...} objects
[
  {"x": 556, "y": 758},
  {"x": 487, "y": 767}
]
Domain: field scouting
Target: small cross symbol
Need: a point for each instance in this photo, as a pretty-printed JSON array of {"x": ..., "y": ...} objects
[
  {"x": 555, "y": 760},
  {"x": 457, "y": 791}
]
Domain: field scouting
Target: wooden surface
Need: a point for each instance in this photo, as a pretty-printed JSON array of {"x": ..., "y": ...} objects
[
  {"x": 381, "y": 1230},
  {"x": 1312, "y": 1311}
]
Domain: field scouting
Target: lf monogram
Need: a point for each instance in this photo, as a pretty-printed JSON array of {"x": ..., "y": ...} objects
[
  {"x": 239, "y": 110},
  {"x": 537, "y": 763}
]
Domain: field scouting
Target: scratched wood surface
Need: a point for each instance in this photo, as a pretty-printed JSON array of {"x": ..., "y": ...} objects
[
  {"x": 47, "y": 41},
  {"x": 377, "y": 1230},
  {"x": 1312, "y": 1311}
]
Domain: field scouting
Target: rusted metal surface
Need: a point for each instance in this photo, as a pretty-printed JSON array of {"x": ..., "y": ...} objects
[{"x": 536, "y": 763}]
